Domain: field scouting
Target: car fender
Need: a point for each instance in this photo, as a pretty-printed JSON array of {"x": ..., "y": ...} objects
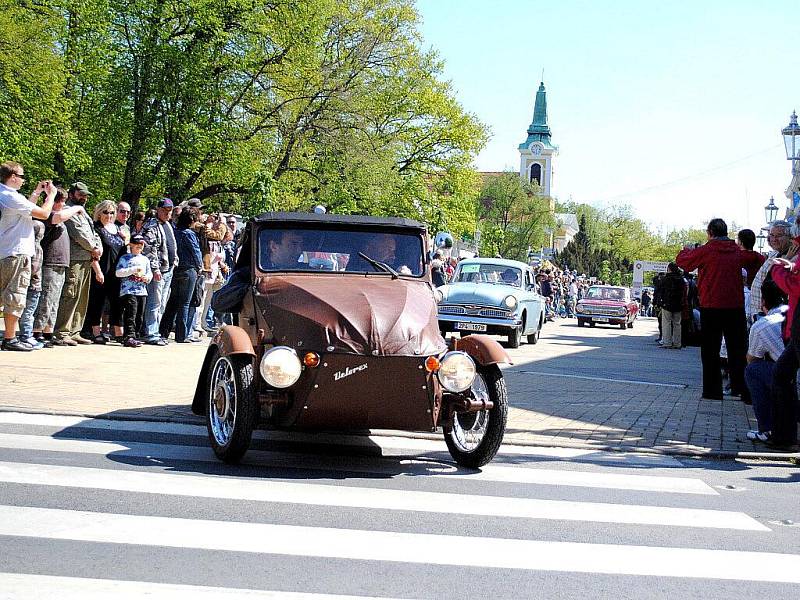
[
  {"x": 483, "y": 349},
  {"x": 228, "y": 341}
]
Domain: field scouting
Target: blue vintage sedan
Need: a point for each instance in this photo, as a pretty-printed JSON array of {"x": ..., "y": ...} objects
[{"x": 494, "y": 296}]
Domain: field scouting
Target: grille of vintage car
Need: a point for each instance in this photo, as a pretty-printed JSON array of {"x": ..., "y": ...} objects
[
  {"x": 474, "y": 311},
  {"x": 611, "y": 311}
]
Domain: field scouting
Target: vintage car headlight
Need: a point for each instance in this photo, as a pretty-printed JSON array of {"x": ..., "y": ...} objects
[
  {"x": 456, "y": 371},
  {"x": 510, "y": 301},
  {"x": 579, "y": 309},
  {"x": 437, "y": 295},
  {"x": 622, "y": 312},
  {"x": 280, "y": 367}
]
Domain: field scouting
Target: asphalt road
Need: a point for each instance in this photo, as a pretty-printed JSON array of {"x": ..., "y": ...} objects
[
  {"x": 605, "y": 351},
  {"x": 98, "y": 509}
]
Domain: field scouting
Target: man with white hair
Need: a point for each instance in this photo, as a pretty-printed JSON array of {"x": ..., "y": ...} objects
[{"x": 779, "y": 239}]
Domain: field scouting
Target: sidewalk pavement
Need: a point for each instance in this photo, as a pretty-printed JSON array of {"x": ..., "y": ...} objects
[{"x": 573, "y": 389}]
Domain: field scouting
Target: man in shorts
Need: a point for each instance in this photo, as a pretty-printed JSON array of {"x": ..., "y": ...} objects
[{"x": 17, "y": 245}]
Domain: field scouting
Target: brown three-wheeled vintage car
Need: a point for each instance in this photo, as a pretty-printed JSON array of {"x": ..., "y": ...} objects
[{"x": 337, "y": 331}]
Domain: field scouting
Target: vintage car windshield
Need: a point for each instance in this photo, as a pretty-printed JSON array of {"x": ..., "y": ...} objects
[
  {"x": 601, "y": 293},
  {"x": 488, "y": 273},
  {"x": 303, "y": 249}
]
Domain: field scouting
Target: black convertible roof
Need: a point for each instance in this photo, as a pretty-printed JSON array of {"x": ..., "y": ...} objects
[{"x": 357, "y": 220}]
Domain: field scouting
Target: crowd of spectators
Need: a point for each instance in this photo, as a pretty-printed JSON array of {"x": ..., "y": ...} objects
[{"x": 68, "y": 278}]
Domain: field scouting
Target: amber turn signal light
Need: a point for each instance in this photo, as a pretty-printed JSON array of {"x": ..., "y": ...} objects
[
  {"x": 432, "y": 364},
  {"x": 311, "y": 359}
]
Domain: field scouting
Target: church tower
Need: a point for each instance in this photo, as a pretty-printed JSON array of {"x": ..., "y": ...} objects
[{"x": 537, "y": 152}]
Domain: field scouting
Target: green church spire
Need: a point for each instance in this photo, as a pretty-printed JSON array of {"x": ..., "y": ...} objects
[{"x": 539, "y": 131}]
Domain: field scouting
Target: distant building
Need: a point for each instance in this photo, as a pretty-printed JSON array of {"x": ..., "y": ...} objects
[
  {"x": 537, "y": 151},
  {"x": 566, "y": 228},
  {"x": 536, "y": 156}
]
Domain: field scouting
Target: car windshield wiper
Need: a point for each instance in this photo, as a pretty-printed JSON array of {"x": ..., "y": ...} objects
[{"x": 379, "y": 265}]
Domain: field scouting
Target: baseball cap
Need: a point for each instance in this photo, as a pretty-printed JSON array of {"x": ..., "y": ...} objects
[
  {"x": 165, "y": 203},
  {"x": 137, "y": 239},
  {"x": 81, "y": 187}
]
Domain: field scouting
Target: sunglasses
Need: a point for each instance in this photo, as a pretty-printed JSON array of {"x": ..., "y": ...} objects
[
  {"x": 109, "y": 212},
  {"x": 122, "y": 210},
  {"x": 20, "y": 176}
]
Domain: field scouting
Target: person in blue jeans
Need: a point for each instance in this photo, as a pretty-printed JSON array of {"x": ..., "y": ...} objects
[
  {"x": 764, "y": 349},
  {"x": 178, "y": 313},
  {"x": 34, "y": 291}
]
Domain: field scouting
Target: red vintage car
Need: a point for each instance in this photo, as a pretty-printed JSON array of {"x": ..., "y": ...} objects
[{"x": 608, "y": 305}]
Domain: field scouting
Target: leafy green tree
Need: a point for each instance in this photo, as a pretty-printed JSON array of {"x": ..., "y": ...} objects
[{"x": 513, "y": 216}]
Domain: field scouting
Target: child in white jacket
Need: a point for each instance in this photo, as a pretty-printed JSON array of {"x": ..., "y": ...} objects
[{"x": 134, "y": 273}]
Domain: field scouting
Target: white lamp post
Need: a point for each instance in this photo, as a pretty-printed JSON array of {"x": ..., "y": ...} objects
[{"x": 761, "y": 238}]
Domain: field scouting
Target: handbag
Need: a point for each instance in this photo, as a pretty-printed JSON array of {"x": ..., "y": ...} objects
[{"x": 197, "y": 294}]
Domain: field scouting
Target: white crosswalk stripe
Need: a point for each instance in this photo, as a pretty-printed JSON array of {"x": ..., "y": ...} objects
[
  {"x": 679, "y": 485},
  {"x": 386, "y": 442},
  {"x": 45, "y": 497},
  {"x": 396, "y": 547},
  {"x": 386, "y": 499}
]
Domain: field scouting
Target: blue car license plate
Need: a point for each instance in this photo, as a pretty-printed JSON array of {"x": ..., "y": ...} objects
[{"x": 471, "y": 326}]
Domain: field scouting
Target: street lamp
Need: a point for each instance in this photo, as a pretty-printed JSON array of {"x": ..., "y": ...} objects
[
  {"x": 791, "y": 139},
  {"x": 771, "y": 210},
  {"x": 761, "y": 238}
]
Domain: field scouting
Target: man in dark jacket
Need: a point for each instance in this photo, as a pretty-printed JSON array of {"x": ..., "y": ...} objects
[
  {"x": 719, "y": 262},
  {"x": 673, "y": 301}
]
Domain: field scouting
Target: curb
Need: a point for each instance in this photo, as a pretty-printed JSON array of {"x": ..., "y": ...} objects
[{"x": 793, "y": 457}]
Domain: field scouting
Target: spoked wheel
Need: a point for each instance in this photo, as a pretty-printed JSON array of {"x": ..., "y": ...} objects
[
  {"x": 231, "y": 406},
  {"x": 476, "y": 437}
]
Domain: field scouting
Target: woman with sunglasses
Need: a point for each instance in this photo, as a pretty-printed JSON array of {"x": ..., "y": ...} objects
[
  {"x": 138, "y": 223},
  {"x": 105, "y": 284}
]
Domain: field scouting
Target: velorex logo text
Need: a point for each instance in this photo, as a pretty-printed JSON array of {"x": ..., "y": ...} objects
[{"x": 348, "y": 371}]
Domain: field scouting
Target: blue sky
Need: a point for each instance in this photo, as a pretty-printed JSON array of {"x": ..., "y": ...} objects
[{"x": 674, "y": 108}]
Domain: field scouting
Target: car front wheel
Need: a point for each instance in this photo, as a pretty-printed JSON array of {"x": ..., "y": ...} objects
[
  {"x": 534, "y": 337},
  {"x": 231, "y": 406},
  {"x": 515, "y": 337},
  {"x": 475, "y": 437}
]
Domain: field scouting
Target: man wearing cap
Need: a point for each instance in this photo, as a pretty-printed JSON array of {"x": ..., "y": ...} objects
[
  {"x": 17, "y": 245},
  {"x": 161, "y": 251},
  {"x": 84, "y": 246}
]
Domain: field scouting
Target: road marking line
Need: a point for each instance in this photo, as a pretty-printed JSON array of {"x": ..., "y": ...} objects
[
  {"x": 417, "y": 467},
  {"x": 587, "y": 377},
  {"x": 414, "y": 548},
  {"x": 384, "y": 442},
  {"x": 34, "y": 587},
  {"x": 203, "y": 486}
]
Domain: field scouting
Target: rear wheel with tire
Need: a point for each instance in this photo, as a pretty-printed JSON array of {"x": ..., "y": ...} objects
[
  {"x": 581, "y": 322},
  {"x": 630, "y": 325},
  {"x": 475, "y": 437},
  {"x": 231, "y": 405},
  {"x": 623, "y": 326}
]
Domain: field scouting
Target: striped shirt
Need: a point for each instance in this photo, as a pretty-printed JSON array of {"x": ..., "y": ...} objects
[
  {"x": 765, "y": 335},
  {"x": 755, "y": 287}
]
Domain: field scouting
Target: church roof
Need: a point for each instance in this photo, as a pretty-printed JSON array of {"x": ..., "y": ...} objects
[{"x": 539, "y": 130}]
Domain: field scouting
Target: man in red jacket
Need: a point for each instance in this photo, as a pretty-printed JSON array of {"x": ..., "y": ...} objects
[{"x": 719, "y": 262}]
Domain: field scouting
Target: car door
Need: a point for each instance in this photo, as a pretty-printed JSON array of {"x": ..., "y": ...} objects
[{"x": 533, "y": 303}]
